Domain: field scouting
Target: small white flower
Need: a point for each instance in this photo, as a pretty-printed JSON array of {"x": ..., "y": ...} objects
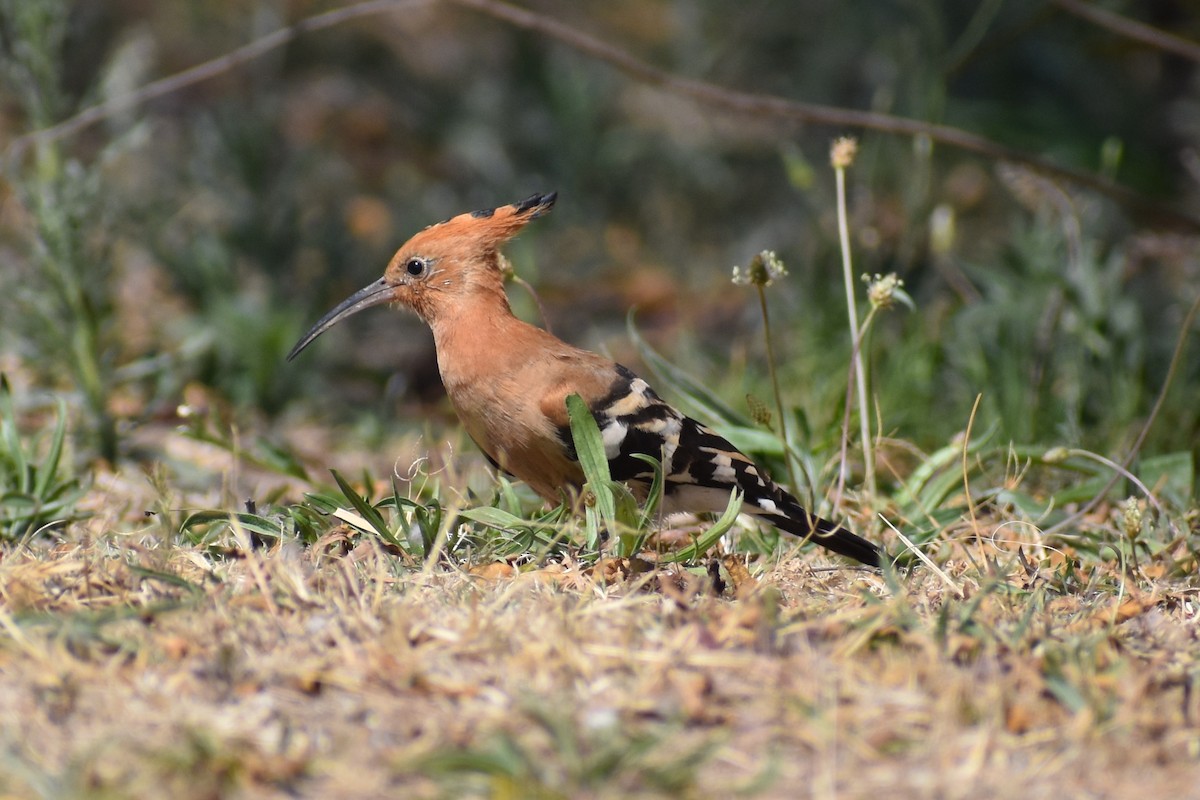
[{"x": 765, "y": 268}]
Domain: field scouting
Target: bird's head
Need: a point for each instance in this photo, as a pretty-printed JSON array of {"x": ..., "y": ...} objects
[{"x": 442, "y": 265}]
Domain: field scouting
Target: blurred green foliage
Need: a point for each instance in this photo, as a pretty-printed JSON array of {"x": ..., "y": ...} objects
[
  {"x": 64, "y": 315},
  {"x": 192, "y": 239},
  {"x": 37, "y": 488}
]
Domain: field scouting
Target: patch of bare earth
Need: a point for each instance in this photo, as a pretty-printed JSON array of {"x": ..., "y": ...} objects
[{"x": 135, "y": 669}]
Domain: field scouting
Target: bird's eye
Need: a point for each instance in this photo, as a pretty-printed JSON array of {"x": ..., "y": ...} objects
[{"x": 415, "y": 267}]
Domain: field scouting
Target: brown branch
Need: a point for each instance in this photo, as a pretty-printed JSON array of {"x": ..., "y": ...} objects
[
  {"x": 797, "y": 112},
  {"x": 202, "y": 72},
  {"x": 741, "y": 103},
  {"x": 1132, "y": 29}
]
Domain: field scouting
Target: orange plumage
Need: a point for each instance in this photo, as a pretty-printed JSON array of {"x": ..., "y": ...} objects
[{"x": 509, "y": 380}]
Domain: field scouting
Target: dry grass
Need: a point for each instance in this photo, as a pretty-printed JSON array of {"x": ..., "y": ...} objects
[{"x": 137, "y": 666}]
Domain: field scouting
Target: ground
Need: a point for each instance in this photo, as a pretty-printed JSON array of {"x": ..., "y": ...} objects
[{"x": 136, "y": 667}]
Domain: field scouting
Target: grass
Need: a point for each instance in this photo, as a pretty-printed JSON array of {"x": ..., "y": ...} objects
[
  {"x": 66, "y": 304},
  {"x": 439, "y": 634},
  {"x": 136, "y": 666},
  {"x": 210, "y": 589},
  {"x": 450, "y": 649},
  {"x": 39, "y": 490}
]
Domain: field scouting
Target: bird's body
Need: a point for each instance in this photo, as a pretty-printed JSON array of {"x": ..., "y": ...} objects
[{"x": 509, "y": 380}]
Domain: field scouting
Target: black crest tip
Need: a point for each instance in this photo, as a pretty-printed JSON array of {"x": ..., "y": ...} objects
[{"x": 535, "y": 205}]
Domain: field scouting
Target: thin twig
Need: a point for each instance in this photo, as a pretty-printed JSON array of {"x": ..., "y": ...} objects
[
  {"x": 740, "y": 103},
  {"x": 1132, "y": 29},
  {"x": 524, "y": 284},
  {"x": 202, "y": 72},
  {"x": 797, "y": 112},
  {"x": 926, "y": 560},
  {"x": 1127, "y": 475}
]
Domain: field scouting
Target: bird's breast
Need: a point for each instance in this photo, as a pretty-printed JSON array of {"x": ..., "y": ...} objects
[{"x": 517, "y": 437}]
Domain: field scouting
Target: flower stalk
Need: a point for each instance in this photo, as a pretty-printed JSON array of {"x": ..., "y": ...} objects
[
  {"x": 842, "y": 156},
  {"x": 764, "y": 269}
]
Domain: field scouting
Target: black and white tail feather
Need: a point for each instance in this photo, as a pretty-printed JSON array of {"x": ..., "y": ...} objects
[{"x": 700, "y": 467}]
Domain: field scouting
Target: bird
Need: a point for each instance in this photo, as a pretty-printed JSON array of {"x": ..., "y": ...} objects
[{"x": 508, "y": 381}]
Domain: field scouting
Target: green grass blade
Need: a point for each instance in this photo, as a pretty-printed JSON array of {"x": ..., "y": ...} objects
[
  {"x": 710, "y": 537},
  {"x": 323, "y": 503},
  {"x": 168, "y": 578},
  {"x": 938, "y": 475},
  {"x": 1170, "y": 475},
  {"x": 12, "y": 441},
  {"x": 366, "y": 510},
  {"x": 49, "y": 468},
  {"x": 654, "y": 495},
  {"x": 496, "y": 518},
  {"x": 752, "y": 440},
  {"x": 263, "y": 526},
  {"x": 280, "y": 460},
  {"x": 252, "y": 523},
  {"x": 589, "y": 446}
]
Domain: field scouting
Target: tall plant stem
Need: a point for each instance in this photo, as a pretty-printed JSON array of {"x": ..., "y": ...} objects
[
  {"x": 788, "y": 457},
  {"x": 860, "y": 372}
]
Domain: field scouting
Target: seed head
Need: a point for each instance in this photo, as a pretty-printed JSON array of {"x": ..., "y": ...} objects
[
  {"x": 1131, "y": 518},
  {"x": 507, "y": 271},
  {"x": 765, "y": 268},
  {"x": 841, "y": 155},
  {"x": 759, "y": 411},
  {"x": 884, "y": 291}
]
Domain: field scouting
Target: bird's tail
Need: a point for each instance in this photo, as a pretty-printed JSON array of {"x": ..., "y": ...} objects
[{"x": 799, "y": 521}]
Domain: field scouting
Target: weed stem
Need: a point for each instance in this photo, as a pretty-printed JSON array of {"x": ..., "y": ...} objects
[
  {"x": 788, "y": 456},
  {"x": 860, "y": 376}
]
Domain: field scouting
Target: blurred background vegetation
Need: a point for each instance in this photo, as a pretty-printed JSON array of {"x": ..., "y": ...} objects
[{"x": 178, "y": 248}]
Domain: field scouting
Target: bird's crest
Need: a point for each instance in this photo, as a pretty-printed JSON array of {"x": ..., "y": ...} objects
[{"x": 491, "y": 227}]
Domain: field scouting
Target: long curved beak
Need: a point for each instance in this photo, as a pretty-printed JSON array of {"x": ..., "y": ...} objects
[{"x": 376, "y": 294}]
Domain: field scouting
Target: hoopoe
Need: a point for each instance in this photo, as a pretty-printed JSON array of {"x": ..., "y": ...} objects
[{"x": 509, "y": 380}]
